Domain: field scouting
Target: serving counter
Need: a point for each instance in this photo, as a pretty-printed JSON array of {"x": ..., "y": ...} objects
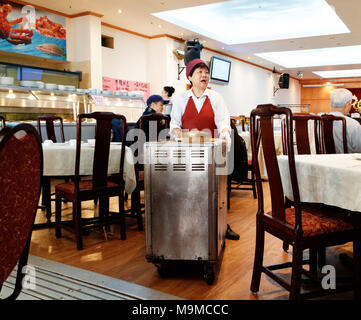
[{"x": 20, "y": 103}]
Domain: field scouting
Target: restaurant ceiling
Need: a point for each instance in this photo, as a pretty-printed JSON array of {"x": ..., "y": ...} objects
[{"x": 137, "y": 16}]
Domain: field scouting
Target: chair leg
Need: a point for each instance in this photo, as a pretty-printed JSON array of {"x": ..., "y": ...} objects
[
  {"x": 285, "y": 246},
  {"x": 123, "y": 234},
  {"x": 229, "y": 187},
  {"x": 313, "y": 261},
  {"x": 253, "y": 185},
  {"x": 321, "y": 257},
  {"x": 136, "y": 208},
  {"x": 46, "y": 200},
  {"x": 258, "y": 260},
  {"x": 58, "y": 216},
  {"x": 296, "y": 273},
  {"x": 357, "y": 269},
  {"x": 78, "y": 232}
]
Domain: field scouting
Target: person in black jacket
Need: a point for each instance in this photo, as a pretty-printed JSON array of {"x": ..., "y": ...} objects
[{"x": 155, "y": 104}]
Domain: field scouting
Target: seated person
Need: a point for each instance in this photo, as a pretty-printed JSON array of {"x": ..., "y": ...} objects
[
  {"x": 117, "y": 130},
  {"x": 155, "y": 104},
  {"x": 341, "y": 100}
]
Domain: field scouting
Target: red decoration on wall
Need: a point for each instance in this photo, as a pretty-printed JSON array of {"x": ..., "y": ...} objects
[{"x": 118, "y": 84}]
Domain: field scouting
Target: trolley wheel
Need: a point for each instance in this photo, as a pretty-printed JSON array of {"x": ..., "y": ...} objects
[
  {"x": 162, "y": 269},
  {"x": 209, "y": 274}
]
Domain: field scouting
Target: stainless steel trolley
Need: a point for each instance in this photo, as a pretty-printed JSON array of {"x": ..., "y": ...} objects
[{"x": 185, "y": 204}]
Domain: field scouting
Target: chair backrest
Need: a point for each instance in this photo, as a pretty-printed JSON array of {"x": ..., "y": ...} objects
[
  {"x": 50, "y": 128},
  {"x": 146, "y": 121},
  {"x": 2, "y": 121},
  {"x": 327, "y": 140},
  {"x": 146, "y": 124},
  {"x": 102, "y": 147},
  {"x": 301, "y": 122},
  {"x": 264, "y": 114},
  {"x": 21, "y": 168}
]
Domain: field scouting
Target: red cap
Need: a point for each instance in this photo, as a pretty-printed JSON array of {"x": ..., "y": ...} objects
[{"x": 191, "y": 64}]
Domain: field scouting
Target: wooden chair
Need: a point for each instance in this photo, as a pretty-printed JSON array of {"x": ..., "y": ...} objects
[
  {"x": 2, "y": 121},
  {"x": 327, "y": 141},
  {"x": 136, "y": 205},
  {"x": 49, "y": 121},
  {"x": 50, "y": 128},
  {"x": 237, "y": 180},
  {"x": 99, "y": 186},
  {"x": 305, "y": 227},
  {"x": 21, "y": 168},
  {"x": 301, "y": 132},
  {"x": 301, "y": 121}
]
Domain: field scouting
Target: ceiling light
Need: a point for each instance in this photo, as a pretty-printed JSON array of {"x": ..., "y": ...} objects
[
  {"x": 315, "y": 57},
  {"x": 227, "y": 21},
  {"x": 339, "y": 73},
  {"x": 120, "y": 11}
]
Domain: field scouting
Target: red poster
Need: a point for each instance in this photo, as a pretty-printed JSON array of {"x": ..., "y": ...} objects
[{"x": 117, "y": 84}]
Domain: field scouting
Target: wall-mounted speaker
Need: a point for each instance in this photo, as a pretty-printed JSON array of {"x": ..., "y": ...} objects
[{"x": 284, "y": 81}]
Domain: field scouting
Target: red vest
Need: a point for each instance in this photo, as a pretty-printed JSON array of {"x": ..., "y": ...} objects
[{"x": 191, "y": 119}]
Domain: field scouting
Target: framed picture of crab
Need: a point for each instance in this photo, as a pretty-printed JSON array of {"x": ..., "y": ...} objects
[{"x": 26, "y": 30}]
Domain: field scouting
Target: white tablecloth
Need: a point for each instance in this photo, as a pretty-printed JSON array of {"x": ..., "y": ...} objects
[
  {"x": 262, "y": 166},
  {"x": 332, "y": 179},
  {"x": 59, "y": 160}
]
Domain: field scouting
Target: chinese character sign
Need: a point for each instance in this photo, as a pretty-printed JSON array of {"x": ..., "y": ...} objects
[{"x": 128, "y": 85}]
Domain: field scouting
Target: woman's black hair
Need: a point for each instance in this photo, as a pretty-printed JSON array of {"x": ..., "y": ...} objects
[{"x": 169, "y": 90}]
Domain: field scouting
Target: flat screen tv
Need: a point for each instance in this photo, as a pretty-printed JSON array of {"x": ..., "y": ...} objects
[{"x": 220, "y": 69}]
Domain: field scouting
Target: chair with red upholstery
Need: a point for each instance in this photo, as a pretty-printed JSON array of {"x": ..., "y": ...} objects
[
  {"x": 304, "y": 227},
  {"x": 21, "y": 167},
  {"x": 157, "y": 119},
  {"x": 327, "y": 141},
  {"x": 49, "y": 122},
  {"x": 99, "y": 186}
]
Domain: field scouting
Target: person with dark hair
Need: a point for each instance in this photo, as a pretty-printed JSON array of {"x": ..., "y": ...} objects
[
  {"x": 155, "y": 104},
  {"x": 202, "y": 109},
  {"x": 167, "y": 93}
]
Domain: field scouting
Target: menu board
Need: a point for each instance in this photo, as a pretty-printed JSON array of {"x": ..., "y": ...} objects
[
  {"x": 26, "y": 30},
  {"x": 128, "y": 85}
]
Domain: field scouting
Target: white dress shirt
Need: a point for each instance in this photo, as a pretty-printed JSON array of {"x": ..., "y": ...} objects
[
  {"x": 353, "y": 134},
  {"x": 221, "y": 114}
]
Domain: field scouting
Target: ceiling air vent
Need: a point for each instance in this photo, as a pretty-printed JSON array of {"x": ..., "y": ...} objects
[{"x": 107, "y": 42}]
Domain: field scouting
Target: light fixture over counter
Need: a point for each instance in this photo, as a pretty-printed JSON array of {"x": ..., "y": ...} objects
[{"x": 323, "y": 85}]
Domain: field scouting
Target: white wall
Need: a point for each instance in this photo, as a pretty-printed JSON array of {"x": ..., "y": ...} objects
[
  {"x": 128, "y": 60},
  {"x": 152, "y": 60}
]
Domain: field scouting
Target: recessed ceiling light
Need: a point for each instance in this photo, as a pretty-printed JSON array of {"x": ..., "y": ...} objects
[
  {"x": 120, "y": 11},
  {"x": 339, "y": 73},
  {"x": 227, "y": 21},
  {"x": 315, "y": 57},
  {"x": 159, "y": 25},
  {"x": 222, "y": 48}
]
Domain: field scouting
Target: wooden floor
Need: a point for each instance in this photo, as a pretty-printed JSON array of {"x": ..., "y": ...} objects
[{"x": 125, "y": 260}]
